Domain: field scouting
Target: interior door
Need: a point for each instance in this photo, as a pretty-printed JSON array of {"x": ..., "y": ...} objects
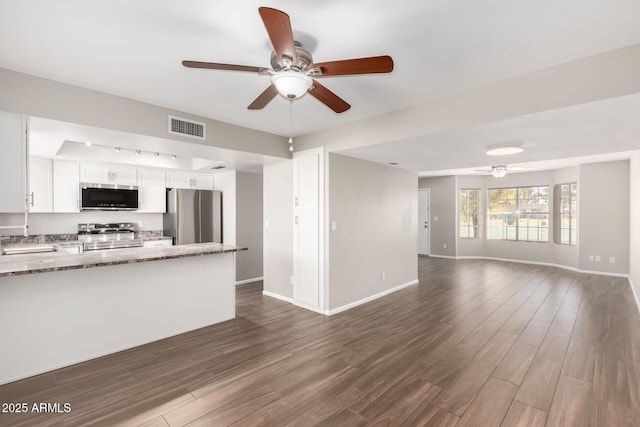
[
  {"x": 308, "y": 233},
  {"x": 424, "y": 209}
]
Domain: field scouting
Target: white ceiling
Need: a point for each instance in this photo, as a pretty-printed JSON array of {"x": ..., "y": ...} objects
[
  {"x": 594, "y": 130},
  {"x": 60, "y": 140},
  {"x": 134, "y": 49}
]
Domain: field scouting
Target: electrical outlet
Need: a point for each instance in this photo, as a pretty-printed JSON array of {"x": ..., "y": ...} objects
[
  {"x": 597, "y": 258},
  {"x": 291, "y": 280},
  {"x": 140, "y": 224},
  {"x": 383, "y": 276},
  {"x": 435, "y": 218},
  {"x": 444, "y": 245},
  {"x": 612, "y": 260},
  {"x": 591, "y": 258},
  {"x": 334, "y": 226},
  {"x": 266, "y": 224}
]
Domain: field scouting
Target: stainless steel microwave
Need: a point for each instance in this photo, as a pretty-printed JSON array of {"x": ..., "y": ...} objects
[{"x": 108, "y": 197}]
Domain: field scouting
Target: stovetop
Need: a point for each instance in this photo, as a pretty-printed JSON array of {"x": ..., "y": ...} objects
[{"x": 97, "y": 236}]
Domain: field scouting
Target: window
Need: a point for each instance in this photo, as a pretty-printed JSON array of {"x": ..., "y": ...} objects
[
  {"x": 469, "y": 213},
  {"x": 520, "y": 213},
  {"x": 566, "y": 229}
]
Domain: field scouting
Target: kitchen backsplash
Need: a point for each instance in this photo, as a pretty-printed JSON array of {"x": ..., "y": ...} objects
[
  {"x": 46, "y": 238},
  {"x": 67, "y": 223}
]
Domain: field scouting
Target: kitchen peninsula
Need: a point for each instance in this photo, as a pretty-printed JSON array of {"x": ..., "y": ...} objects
[{"x": 58, "y": 309}]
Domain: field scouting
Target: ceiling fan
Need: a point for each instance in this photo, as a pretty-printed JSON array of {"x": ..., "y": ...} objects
[
  {"x": 293, "y": 71},
  {"x": 499, "y": 171}
]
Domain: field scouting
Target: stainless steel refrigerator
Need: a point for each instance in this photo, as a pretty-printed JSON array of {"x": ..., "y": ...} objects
[{"x": 193, "y": 216}]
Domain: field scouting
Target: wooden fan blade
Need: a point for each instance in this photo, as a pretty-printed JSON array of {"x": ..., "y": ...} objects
[
  {"x": 264, "y": 98},
  {"x": 328, "y": 98},
  {"x": 228, "y": 67},
  {"x": 278, "y": 26},
  {"x": 374, "y": 64}
]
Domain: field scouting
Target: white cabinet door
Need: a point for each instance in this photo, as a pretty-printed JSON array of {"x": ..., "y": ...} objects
[
  {"x": 202, "y": 181},
  {"x": 152, "y": 191},
  {"x": 123, "y": 175},
  {"x": 40, "y": 184},
  {"x": 98, "y": 173},
  {"x": 108, "y": 174},
  {"x": 66, "y": 186},
  {"x": 178, "y": 179},
  {"x": 13, "y": 162},
  {"x": 194, "y": 181}
]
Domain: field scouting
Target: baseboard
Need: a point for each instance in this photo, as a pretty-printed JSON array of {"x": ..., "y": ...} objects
[
  {"x": 441, "y": 256},
  {"x": 277, "y": 296},
  {"x": 369, "y": 299},
  {"x": 246, "y": 281},
  {"x": 308, "y": 307},
  {"x": 635, "y": 295},
  {"x": 548, "y": 264}
]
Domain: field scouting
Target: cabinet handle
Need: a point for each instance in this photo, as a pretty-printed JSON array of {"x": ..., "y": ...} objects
[
  {"x": 32, "y": 199},
  {"x": 297, "y": 201},
  {"x": 297, "y": 221}
]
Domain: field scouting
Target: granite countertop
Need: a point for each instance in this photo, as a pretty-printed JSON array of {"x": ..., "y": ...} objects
[{"x": 12, "y": 265}]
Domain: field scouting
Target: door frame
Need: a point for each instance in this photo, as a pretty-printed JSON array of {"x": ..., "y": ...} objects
[{"x": 428, "y": 191}]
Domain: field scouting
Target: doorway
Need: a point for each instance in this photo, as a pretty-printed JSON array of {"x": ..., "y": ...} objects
[{"x": 424, "y": 230}]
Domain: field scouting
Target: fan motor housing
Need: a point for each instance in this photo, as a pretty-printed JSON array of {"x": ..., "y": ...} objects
[{"x": 303, "y": 56}]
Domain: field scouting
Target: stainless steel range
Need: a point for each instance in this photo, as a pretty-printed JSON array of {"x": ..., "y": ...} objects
[{"x": 108, "y": 236}]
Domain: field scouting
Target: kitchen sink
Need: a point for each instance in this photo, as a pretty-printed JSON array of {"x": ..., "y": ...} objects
[{"x": 29, "y": 250}]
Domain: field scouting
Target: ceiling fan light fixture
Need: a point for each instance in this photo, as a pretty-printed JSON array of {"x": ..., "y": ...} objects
[
  {"x": 498, "y": 171},
  {"x": 291, "y": 84},
  {"x": 505, "y": 150}
]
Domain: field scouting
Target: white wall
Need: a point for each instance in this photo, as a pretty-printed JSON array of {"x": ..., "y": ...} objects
[
  {"x": 63, "y": 223},
  {"x": 604, "y": 216},
  {"x": 278, "y": 235},
  {"x": 376, "y": 210},
  {"x": 524, "y": 251},
  {"x": 443, "y": 207},
  {"x": 634, "y": 223},
  {"x": 249, "y": 225},
  {"x": 34, "y": 96}
]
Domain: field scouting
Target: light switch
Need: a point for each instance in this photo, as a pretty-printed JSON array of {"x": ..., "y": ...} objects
[
  {"x": 435, "y": 218},
  {"x": 334, "y": 226},
  {"x": 266, "y": 224}
]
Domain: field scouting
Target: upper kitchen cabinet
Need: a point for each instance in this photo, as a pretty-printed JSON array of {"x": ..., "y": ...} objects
[
  {"x": 40, "y": 185},
  {"x": 108, "y": 174},
  {"x": 13, "y": 162},
  {"x": 195, "y": 181},
  {"x": 66, "y": 186},
  {"x": 152, "y": 191}
]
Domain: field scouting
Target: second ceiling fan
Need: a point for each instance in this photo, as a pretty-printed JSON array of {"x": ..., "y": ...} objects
[{"x": 293, "y": 71}]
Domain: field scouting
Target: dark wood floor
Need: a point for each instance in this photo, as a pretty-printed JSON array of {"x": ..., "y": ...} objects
[{"x": 476, "y": 343}]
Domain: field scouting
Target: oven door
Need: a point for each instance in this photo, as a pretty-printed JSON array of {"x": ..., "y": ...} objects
[{"x": 109, "y": 197}]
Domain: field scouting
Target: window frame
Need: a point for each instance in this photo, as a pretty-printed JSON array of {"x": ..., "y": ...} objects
[
  {"x": 517, "y": 214},
  {"x": 477, "y": 227},
  {"x": 572, "y": 212}
]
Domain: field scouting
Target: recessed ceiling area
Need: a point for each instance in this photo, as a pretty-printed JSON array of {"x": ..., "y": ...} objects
[
  {"x": 61, "y": 140},
  {"x": 567, "y": 136}
]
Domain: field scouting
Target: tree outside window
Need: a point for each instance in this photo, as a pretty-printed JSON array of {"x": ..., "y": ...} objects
[
  {"x": 520, "y": 213},
  {"x": 566, "y": 232},
  {"x": 469, "y": 213}
]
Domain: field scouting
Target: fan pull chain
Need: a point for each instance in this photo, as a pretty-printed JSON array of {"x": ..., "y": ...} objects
[{"x": 290, "y": 125}]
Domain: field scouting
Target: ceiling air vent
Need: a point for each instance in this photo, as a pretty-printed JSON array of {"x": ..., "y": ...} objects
[
  {"x": 218, "y": 167},
  {"x": 188, "y": 128}
]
